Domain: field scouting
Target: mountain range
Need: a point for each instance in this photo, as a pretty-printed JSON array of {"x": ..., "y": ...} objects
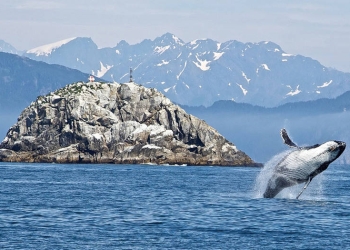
[
  {"x": 256, "y": 129},
  {"x": 203, "y": 71}
]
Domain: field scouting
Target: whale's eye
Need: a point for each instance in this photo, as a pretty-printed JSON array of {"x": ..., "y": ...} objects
[{"x": 332, "y": 148}]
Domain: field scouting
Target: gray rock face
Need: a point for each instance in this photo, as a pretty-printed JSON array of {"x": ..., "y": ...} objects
[{"x": 114, "y": 123}]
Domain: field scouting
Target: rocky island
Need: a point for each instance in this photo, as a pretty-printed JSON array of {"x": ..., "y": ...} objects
[{"x": 114, "y": 123}]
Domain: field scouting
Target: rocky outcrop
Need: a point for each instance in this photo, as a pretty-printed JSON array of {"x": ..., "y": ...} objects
[{"x": 114, "y": 123}]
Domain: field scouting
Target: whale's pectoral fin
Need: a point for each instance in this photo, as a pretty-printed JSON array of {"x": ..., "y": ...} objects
[
  {"x": 307, "y": 184},
  {"x": 286, "y": 138},
  {"x": 275, "y": 185}
]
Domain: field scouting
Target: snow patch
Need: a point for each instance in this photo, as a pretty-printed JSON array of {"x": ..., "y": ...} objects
[
  {"x": 217, "y": 55},
  {"x": 177, "y": 40},
  {"x": 163, "y": 63},
  {"x": 46, "y": 50},
  {"x": 167, "y": 89},
  {"x": 137, "y": 66},
  {"x": 293, "y": 92},
  {"x": 161, "y": 50},
  {"x": 285, "y": 54},
  {"x": 78, "y": 60},
  {"x": 117, "y": 52},
  {"x": 245, "y": 77},
  {"x": 124, "y": 75},
  {"x": 203, "y": 65},
  {"x": 194, "y": 42},
  {"x": 195, "y": 47},
  {"x": 326, "y": 84},
  {"x": 243, "y": 89},
  {"x": 103, "y": 70},
  {"x": 265, "y": 66},
  {"x": 178, "y": 76},
  {"x": 218, "y": 46}
]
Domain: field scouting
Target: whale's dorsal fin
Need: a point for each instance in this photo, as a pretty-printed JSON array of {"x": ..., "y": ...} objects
[{"x": 286, "y": 139}]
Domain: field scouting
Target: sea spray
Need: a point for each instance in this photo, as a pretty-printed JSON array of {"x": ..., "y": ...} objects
[{"x": 266, "y": 173}]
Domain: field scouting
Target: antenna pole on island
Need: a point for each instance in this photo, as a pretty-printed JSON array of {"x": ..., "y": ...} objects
[{"x": 131, "y": 80}]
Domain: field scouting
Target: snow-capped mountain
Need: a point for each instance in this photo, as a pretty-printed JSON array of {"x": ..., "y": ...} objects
[
  {"x": 203, "y": 71},
  {"x": 8, "y": 48},
  {"x": 46, "y": 50}
]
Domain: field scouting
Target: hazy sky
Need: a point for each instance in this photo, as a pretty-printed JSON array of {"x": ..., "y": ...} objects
[{"x": 317, "y": 28}]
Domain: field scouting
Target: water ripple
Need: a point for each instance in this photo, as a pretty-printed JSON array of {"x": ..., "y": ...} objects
[{"x": 53, "y": 206}]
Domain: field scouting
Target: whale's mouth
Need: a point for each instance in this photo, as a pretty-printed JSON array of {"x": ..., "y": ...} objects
[{"x": 341, "y": 146}]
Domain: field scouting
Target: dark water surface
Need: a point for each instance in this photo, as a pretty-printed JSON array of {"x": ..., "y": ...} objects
[{"x": 52, "y": 206}]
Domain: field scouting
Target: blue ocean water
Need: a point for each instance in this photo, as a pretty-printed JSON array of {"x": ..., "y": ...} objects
[{"x": 69, "y": 206}]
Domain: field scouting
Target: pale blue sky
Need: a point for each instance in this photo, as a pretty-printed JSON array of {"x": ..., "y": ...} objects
[{"x": 318, "y": 28}]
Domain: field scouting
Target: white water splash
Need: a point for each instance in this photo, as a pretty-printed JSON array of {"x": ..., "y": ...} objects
[
  {"x": 266, "y": 173},
  {"x": 313, "y": 191}
]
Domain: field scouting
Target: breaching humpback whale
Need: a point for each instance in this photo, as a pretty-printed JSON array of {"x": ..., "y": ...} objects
[{"x": 302, "y": 164}]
